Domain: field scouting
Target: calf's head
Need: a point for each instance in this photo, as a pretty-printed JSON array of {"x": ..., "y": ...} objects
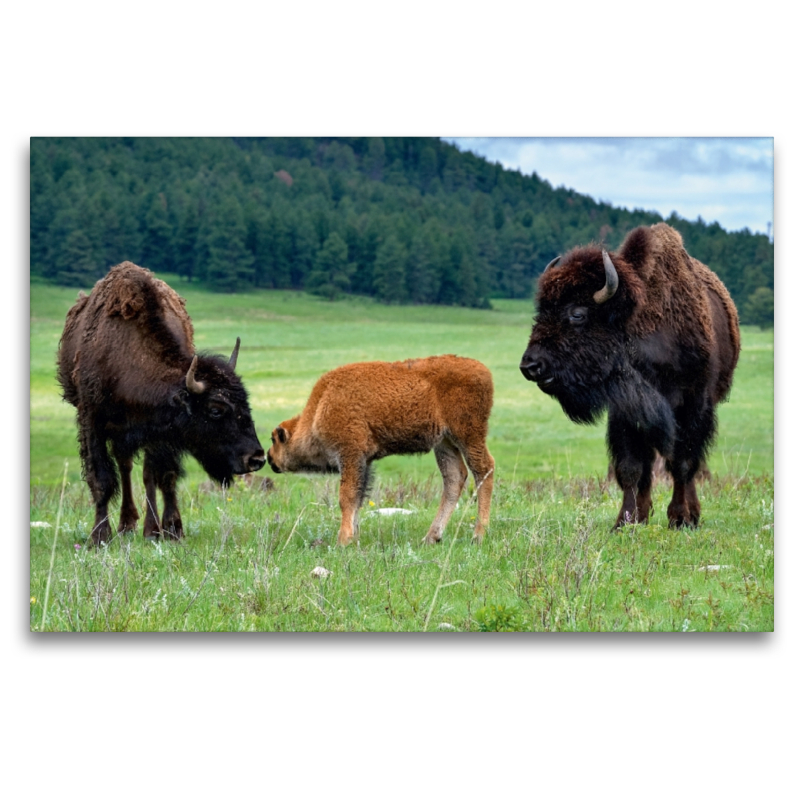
[
  {"x": 216, "y": 422},
  {"x": 279, "y": 454}
]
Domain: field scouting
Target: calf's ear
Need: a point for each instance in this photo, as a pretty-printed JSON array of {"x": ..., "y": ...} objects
[{"x": 282, "y": 434}]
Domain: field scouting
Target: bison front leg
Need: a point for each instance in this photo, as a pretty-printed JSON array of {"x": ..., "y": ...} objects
[
  {"x": 151, "y": 527},
  {"x": 454, "y": 476},
  {"x": 162, "y": 470},
  {"x": 353, "y": 487},
  {"x": 128, "y": 515},
  {"x": 632, "y": 458}
]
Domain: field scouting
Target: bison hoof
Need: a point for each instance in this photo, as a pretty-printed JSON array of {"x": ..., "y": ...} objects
[
  {"x": 101, "y": 534},
  {"x": 432, "y": 539},
  {"x": 689, "y": 521}
]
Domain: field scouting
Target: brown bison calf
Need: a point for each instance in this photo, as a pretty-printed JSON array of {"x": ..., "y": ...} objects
[{"x": 359, "y": 413}]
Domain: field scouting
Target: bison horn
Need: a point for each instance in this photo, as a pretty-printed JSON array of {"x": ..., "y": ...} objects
[
  {"x": 552, "y": 263},
  {"x": 235, "y": 354},
  {"x": 194, "y": 386},
  {"x": 612, "y": 281}
]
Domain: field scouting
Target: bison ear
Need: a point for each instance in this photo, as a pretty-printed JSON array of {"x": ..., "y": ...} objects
[
  {"x": 636, "y": 248},
  {"x": 282, "y": 434}
]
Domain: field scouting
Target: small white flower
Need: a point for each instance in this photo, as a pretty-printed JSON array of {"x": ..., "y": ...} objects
[
  {"x": 320, "y": 572},
  {"x": 40, "y": 525}
]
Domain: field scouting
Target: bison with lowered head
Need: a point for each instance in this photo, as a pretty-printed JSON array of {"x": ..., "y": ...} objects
[
  {"x": 126, "y": 361},
  {"x": 650, "y": 334},
  {"x": 359, "y": 413}
]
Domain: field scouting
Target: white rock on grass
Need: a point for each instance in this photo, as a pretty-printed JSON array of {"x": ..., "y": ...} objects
[
  {"x": 713, "y": 567},
  {"x": 320, "y": 572},
  {"x": 40, "y": 525},
  {"x": 388, "y": 512}
]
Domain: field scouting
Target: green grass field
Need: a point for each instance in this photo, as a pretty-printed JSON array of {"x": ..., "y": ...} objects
[{"x": 549, "y": 561}]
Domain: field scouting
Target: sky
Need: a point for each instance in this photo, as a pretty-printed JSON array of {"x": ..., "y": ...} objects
[{"x": 726, "y": 180}]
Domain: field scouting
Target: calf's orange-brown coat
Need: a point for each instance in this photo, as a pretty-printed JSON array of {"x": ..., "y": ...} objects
[{"x": 361, "y": 412}]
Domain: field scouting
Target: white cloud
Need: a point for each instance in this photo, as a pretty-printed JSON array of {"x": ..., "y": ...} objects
[{"x": 727, "y": 180}]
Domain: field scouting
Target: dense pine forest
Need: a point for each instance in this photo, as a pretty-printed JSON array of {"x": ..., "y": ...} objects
[{"x": 403, "y": 220}]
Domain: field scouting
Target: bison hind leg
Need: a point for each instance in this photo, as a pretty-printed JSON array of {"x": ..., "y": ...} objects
[
  {"x": 481, "y": 464},
  {"x": 100, "y": 474},
  {"x": 454, "y": 476}
]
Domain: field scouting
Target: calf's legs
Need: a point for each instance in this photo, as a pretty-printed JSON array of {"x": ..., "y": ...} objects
[
  {"x": 352, "y": 490},
  {"x": 454, "y": 475},
  {"x": 481, "y": 464}
]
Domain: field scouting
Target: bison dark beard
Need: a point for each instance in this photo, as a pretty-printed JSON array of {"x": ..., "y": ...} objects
[
  {"x": 636, "y": 405},
  {"x": 627, "y": 396}
]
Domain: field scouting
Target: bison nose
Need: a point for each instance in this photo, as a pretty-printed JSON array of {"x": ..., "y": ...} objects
[
  {"x": 534, "y": 369},
  {"x": 272, "y": 463},
  {"x": 256, "y": 461}
]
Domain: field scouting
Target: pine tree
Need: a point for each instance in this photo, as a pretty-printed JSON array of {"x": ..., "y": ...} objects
[
  {"x": 760, "y": 308},
  {"x": 230, "y": 266},
  {"x": 330, "y": 277},
  {"x": 389, "y": 278},
  {"x": 422, "y": 278},
  {"x": 157, "y": 235}
]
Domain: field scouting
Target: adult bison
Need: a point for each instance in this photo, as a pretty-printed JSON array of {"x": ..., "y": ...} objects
[
  {"x": 359, "y": 413},
  {"x": 652, "y": 335},
  {"x": 126, "y": 361}
]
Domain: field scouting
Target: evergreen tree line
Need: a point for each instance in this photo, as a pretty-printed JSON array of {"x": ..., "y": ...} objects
[{"x": 403, "y": 220}]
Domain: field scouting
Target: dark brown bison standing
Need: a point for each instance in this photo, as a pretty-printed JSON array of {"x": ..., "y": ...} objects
[
  {"x": 126, "y": 361},
  {"x": 650, "y": 334}
]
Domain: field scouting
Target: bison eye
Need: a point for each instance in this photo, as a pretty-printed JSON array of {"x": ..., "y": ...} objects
[
  {"x": 216, "y": 412},
  {"x": 578, "y": 315}
]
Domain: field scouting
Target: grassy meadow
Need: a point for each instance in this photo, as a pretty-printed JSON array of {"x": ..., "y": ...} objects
[{"x": 549, "y": 561}]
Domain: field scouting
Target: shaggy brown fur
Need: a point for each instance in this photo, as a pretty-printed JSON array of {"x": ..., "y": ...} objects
[
  {"x": 359, "y": 413},
  {"x": 659, "y": 354},
  {"x": 124, "y": 362}
]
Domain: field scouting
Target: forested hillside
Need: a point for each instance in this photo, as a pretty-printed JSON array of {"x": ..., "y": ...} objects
[{"x": 404, "y": 220}]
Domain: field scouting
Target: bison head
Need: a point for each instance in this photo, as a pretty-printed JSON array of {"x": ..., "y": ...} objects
[
  {"x": 578, "y": 343},
  {"x": 216, "y": 424}
]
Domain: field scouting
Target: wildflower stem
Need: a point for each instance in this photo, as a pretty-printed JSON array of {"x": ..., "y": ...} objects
[{"x": 53, "y": 551}]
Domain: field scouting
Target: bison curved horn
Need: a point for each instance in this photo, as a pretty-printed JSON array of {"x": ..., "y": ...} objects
[
  {"x": 552, "y": 263},
  {"x": 235, "y": 354},
  {"x": 612, "y": 281},
  {"x": 194, "y": 386}
]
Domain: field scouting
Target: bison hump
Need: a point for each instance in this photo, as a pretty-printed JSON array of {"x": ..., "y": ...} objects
[{"x": 133, "y": 293}]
